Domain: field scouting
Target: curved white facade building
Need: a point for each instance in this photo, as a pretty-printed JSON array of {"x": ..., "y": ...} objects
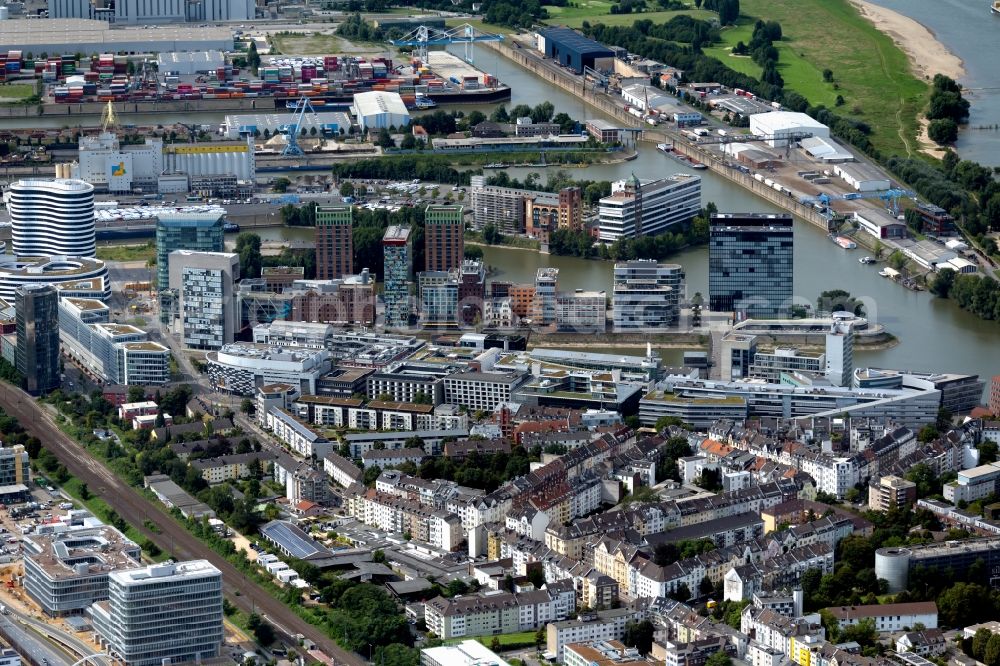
[
  {"x": 74, "y": 277},
  {"x": 52, "y": 218}
]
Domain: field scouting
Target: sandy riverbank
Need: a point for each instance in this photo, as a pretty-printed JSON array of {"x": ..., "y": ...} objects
[{"x": 927, "y": 55}]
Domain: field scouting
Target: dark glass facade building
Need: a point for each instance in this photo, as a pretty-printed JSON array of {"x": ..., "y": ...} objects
[
  {"x": 750, "y": 264},
  {"x": 37, "y": 318}
]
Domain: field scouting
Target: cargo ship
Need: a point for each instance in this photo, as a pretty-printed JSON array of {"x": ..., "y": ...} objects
[{"x": 669, "y": 151}]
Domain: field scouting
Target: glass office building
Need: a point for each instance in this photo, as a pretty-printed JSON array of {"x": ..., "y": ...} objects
[
  {"x": 161, "y": 614},
  {"x": 750, "y": 265},
  {"x": 37, "y": 320},
  {"x": 200, "y": 232}
]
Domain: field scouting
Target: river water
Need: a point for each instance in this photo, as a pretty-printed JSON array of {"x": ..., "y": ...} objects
[
  {"x": 933, "y": 334},
  {"x": 968, "y": 30}
]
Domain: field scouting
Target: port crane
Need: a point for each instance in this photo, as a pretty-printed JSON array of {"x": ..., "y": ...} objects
[
  {"x": 291, "y": 131},
  {"x": 424, "y": 36},
  {"x": 890, "y": 196}
]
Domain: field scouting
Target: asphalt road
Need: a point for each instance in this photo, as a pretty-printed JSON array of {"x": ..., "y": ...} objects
[
  {"x": 54, "y": 633},
  {"x": 172, "y": 538},
  {"x": 31, "y": 646}
]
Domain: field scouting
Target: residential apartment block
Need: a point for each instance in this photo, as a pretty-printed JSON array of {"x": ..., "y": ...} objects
[{"x": 496, "y": 612}]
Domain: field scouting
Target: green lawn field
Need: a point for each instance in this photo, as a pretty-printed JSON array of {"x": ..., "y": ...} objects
[
  {"x": 872, "y": 74},
  {"x": 575, "y": 21},
  {"x": 583, "y": 9},
  {"x": 799, "y": 73},
  {"x": 16, "y": 90}
]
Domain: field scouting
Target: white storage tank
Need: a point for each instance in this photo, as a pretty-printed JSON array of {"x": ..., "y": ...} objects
[{"x": 893, "y": 564}]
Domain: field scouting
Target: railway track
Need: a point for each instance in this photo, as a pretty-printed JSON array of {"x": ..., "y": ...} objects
[{"x": 135, "y": 509}]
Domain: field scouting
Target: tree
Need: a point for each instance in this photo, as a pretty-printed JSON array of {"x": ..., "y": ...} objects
[
  {"x": 828, "y": 75},
  {"x": 987, "y": 452},
  {"x": 384, "y": 139},
  {"x": 347, "y": 189},
  {"x": 639, "y": 635},
  {"x": 136, "y": 394},
  {"x": 280, "y": 184},
  {"x": 253, "y": 58},
  {"x": 838, "y": 300},
  {"x": 491, "y": 235},
  {"x": 961, "y": 604},
  {"x": 84, "y": 492},
  {"x": 897, "y": 260},
  {"x": 992, "y": 655},
  {"x": 495, "y": 644},
  {"x": 246, "y": 406},
  {"x": 943, "y": 131},
  {"x": 943, "y": 281},
  {"x": 682, "y": 593},
  {"x": 248, "y": 247},
  {"x": 720, "y": 658},
  {"x": 979, "y": 642}
]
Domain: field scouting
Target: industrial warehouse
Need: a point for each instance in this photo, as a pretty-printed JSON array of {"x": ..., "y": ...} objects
[
  {"x": 77, "y": 35},
  {"x": 571, "y": 49}
]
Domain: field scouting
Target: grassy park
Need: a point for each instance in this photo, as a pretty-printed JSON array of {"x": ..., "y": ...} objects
[
  {"x": 576, "y": 20},
  {"x": 144, "y": 252},
  {"x": 869, "y": 70},
  {"x": 302, "y": 44}
]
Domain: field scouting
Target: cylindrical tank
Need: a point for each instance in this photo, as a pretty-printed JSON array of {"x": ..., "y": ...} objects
[
  {"x": 4, "y": 12},
  {"x": 893, "y": 564}
]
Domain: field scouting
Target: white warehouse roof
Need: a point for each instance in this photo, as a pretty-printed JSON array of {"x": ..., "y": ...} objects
[
  {"x": 778, "y": 121},
  {"x": 825, "y": 149},
  {"x": 193, "y": 60},
  {"x": 378, "y": 102}
]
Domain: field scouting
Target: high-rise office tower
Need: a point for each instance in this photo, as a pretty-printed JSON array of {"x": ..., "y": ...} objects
[
  {"x": 334, "y": 242},
  {"x": 750, "y": 264},
  {"x": 198, "y": 232},
  {"x": 53, "y": 217},
  {"x": 396, "y": 281},
  {"x": 444, "y": 238},
  {"x": 37, "y": 318},
  {"x": 162, "y": 614}
]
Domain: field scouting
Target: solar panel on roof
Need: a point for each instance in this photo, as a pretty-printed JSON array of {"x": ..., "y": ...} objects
[{"x": 292, "y": 540}]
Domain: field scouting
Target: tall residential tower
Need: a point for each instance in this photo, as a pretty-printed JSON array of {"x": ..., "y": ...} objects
[
  {"x": 444, "y": 238},
  {"x": 334, "y": 242},
  {"x": 396, "y": 281}
]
